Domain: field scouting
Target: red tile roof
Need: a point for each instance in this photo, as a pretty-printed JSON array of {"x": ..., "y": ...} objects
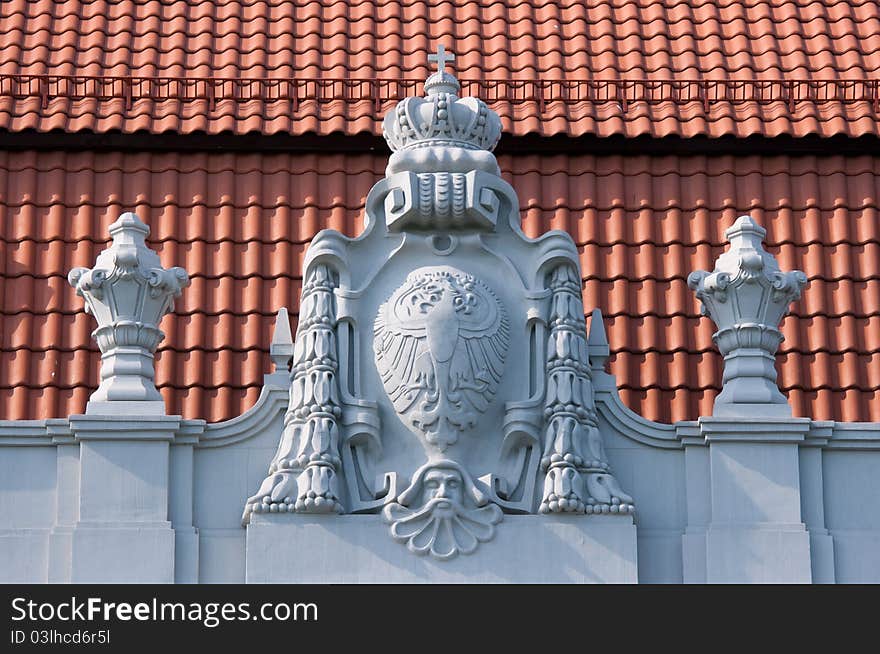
[
  {"x": 239, "y": 223},
  {"x": 584, "y": 66}
]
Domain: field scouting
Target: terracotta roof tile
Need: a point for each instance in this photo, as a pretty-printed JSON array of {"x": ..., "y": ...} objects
[
  {"x": 715, "y": 41},
  {"x": 239, "y": 223}
]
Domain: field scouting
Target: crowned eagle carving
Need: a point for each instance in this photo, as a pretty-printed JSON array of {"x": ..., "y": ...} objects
[{"x": 441, "y": 340}]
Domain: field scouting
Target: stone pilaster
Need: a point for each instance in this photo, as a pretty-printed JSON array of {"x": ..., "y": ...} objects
[
  {"x": 756, "y": 532},
  {"x": 123, "y": 533}
]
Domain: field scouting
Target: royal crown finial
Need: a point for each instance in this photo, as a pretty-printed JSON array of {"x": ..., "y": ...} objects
[{"x": 441, "y": 117}]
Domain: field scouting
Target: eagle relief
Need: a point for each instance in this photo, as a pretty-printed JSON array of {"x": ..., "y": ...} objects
[{"x": 440, "y": 344}]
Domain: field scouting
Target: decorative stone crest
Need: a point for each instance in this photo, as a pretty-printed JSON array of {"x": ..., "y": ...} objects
[
  {"x": 128, "y": 292},
  {"x": 442, "y": 513},
  {"x": 746, "y": 296},
  {"x": 440, "y": 344},
  {"x": 469, "y": 383}
]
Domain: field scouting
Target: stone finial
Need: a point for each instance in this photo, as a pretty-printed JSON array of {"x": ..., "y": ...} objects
[
  {"x": 441, "y": 118},
  {"x": 442, "y": 174},
  {"x": 746, "y": 296},
  {"x": 128, "y": 292},
  {"x": 597, "y": 341},
  {"x": 281, "y": 347},
  {"x": 441, "y": 81}
]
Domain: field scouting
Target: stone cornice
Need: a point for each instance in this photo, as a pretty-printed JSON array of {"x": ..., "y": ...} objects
[
  {"x": 118, "y": 428},
  {"x": 823, "y": 434},
  {"x": 758, "y": 430}
]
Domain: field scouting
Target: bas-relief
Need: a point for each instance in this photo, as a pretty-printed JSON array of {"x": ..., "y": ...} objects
[
  {"x": 441, "y": 342},
  {"x": 441, "y": 374}
]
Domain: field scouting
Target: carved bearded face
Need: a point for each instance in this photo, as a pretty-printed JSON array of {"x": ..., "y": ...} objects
[
  {"x": 450, "y": 515},
  {"x": 442, "y": 489}
]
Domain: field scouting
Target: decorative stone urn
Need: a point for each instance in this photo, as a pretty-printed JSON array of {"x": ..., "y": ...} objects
[
  {"x": 747, "y": 296},
  {"x": 441, "y": 375},
  {"x": 128, "y": 292}
]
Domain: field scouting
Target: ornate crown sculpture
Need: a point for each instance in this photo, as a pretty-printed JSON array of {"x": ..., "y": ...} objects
[
  {"x": 441, "y": 374},
  {"x": 441, "y": 117}
]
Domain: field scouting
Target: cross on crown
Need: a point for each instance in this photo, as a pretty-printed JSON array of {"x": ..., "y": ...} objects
[{"x": 442, "y": 57}]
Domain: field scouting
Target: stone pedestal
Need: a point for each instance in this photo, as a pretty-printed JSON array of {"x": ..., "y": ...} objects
[
  {"x": 122, "y": 534},
  {"x": 755, "y": 533},
  {"x": 359, "y": 549}
]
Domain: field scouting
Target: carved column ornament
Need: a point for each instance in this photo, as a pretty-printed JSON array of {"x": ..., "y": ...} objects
[
  {"x": 128, "y": 292},
  {"x": 577, "y": 478},
  {"x": 304, "y": 474},
  {"x": 747, "y": 296}
]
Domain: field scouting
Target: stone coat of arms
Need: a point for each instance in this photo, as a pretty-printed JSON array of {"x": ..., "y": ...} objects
[
  {"x": 441, "y": 377},
  {"x": 441, "y": 342}
]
